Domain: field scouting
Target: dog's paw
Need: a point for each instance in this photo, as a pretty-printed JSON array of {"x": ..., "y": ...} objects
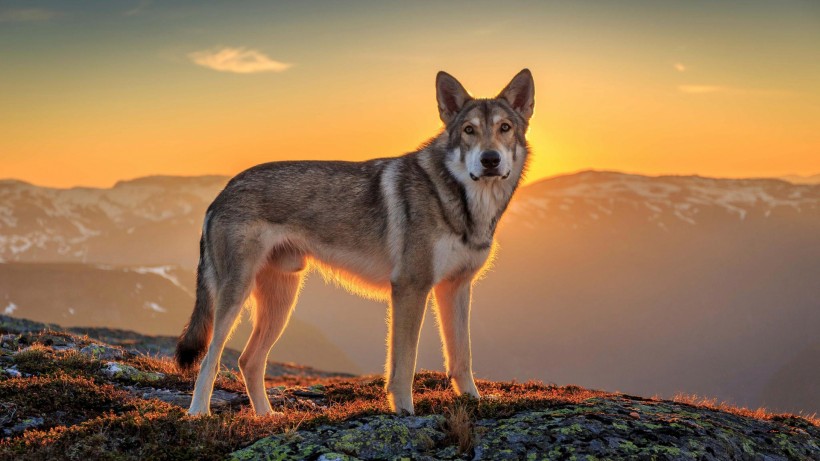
[
  {"x": 402, "y": 405},
  {"x": 465, "y": 386},
  {"x": 199, "y": 412}
]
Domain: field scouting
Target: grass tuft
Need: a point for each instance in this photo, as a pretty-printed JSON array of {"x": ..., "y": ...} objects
[{"x": 459, "y": 425}]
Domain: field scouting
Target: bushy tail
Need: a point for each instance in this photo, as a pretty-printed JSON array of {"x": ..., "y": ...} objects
[{"x": 193, "y": 342}]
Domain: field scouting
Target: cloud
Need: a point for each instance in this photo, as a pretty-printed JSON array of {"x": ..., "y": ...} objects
[
  {"x": 139, "y": 8},
  {"x": 27, "y": 15},
  {"x": 238, "y": 61},
  {"x": 718, "y": 89},
  {"x": 680, "y": 67}
]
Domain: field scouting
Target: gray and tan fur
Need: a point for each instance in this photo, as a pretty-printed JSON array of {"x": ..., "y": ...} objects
[{"x": 396, "y": 229}]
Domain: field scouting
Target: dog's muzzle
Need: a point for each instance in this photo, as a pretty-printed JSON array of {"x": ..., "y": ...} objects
[{"x": 489, "y": 161}]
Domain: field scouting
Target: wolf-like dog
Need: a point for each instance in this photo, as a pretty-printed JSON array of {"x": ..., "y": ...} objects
[{"x": 397, "y": 229}]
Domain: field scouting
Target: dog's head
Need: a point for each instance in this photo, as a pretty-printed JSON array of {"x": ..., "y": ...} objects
[{"x": 486, "y": 136}]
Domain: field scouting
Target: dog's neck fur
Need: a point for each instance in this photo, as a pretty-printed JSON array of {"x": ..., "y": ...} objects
[{"x": 473, "y": 207}]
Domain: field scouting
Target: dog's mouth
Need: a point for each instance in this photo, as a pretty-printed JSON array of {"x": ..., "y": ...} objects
[{"x": 490, "y": 174}]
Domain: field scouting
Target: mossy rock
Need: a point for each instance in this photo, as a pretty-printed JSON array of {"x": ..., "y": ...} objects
[
  {"x": 123, "y": 372},
  {"x": 374, "y": 437},
  {"x": 599, "y": 429},
  {"x": 100, "y": 352}
]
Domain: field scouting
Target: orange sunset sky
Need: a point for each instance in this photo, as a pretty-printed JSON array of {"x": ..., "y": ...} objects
[{"x": 93, "y": 92}]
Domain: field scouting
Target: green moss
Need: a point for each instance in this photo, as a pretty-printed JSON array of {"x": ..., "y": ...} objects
[
  {"x": 124, "y": 372},
  {"x": 570, "y": 411},
  {"x": 665, "y": 450},
  {"x": 620, "y": 426},
  {"x": 747, "y": 446},
  {"x": 343, "y": 457},
  {"x": 628, "y": 446},
  {"x": 648, "y": 425},
  {"x": 270, "y": 449},
  {"x": 348, "y": 443},
  {"x": 570, "y": 430}
]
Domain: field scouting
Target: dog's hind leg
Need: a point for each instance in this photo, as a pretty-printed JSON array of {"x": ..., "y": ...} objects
[
  {"x": 453, "y": 309},
  {"x": 233, "y": 286},
  {"x": 275, "y": 292},
  {"x": 228, "y": 305}
]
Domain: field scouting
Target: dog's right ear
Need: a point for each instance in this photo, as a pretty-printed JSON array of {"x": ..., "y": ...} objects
[
  {"x": 451, "y": 96},
  {"x": 520, "y": 93}
]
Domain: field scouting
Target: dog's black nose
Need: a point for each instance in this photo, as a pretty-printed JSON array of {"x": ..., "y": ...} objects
[{"x": 490, "y": 159}]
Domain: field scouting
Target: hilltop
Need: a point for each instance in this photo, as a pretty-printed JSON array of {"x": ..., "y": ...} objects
[{"x": 67, "y": 395}]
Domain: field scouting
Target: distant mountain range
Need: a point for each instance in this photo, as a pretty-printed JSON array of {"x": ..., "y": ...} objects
[
  {"x": 625, "y": 282},
  {"x": 798, "y": 179},
  {"x": 146, "y": 221}
]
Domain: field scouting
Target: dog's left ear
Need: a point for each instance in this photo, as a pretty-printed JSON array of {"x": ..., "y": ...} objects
[
  {"x": 520, "y": 93},
  {"x": 451, "y": 96}
]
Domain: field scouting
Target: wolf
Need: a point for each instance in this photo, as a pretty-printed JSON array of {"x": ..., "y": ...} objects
[{"x": 399, "y": 229}]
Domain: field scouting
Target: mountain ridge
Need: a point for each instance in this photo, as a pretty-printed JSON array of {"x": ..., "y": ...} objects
[
  {"x": 87, "y": 224},
  {"x": 792, "y": 179}
]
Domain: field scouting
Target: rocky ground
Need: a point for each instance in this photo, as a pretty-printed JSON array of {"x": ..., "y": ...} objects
[
  {"x": 68, "y": 395},
  {"x": 610, "y": 427}
]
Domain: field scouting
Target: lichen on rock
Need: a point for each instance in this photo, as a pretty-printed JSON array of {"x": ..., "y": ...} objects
[
  {"x": 122, "y": 371},
  {"x": 373, "y": 437},
  {"x": 100, "y": 352},
  {"x": 596, "y": 429}
]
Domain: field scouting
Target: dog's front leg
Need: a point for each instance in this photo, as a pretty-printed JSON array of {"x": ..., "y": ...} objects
[
  {"x": 407, "y": 305},
  {"x": 453, "y": 308}
]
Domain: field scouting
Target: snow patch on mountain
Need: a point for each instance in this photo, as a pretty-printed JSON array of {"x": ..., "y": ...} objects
[
  {"x": 592, "y": 195},
  {"x": 156, "y": 307},
  {"x": 164, "y": 214},
  {"x": 50, "y": 224},
  {"x": 162, "y": 271},
  {"x": 10, "y": 308}
]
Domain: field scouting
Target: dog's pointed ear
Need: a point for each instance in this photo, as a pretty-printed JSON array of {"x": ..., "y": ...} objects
[
  {"x": 451, "y": 96},
  {"x": 520, "y": 93}
]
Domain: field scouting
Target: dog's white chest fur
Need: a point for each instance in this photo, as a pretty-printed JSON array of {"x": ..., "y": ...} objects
[{"x": 452, "y": 257}]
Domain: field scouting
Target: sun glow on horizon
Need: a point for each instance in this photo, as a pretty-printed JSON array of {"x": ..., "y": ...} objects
[{"x": 194, "y": 89}]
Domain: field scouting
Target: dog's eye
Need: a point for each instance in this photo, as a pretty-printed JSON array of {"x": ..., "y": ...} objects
[
  {"x": 505, "y": 127},
  {"x": 469, "y": 130}
]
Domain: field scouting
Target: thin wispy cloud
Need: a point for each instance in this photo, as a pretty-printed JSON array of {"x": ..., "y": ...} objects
[
  {"x": 27, "y": 15},
  {"x": 680, "y": 67},
  {"x": 719, "y": 89},
  {"x": 138, "y": 8},
  {"x": 238, "y": 61}
]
